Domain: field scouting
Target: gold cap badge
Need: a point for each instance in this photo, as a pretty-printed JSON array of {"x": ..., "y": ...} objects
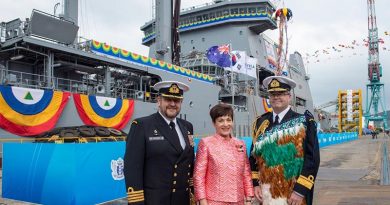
[
  {"x": 274, "y": 83},
  {"x": 174, "y": 89}
]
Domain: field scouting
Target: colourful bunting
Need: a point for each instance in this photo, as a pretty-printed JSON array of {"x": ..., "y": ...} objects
[
  {"x": 27, "y": 112},
  {"x": 104, "y": 111}
]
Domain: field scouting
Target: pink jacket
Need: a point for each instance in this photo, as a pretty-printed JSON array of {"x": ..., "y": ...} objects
[{"x": 222, "y": 171}]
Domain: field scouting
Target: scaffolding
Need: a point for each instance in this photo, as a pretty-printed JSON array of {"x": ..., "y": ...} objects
[{"x": 350, "y": 111}]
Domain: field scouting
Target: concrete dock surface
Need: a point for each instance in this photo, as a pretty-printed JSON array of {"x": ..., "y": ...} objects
[{"x": 349, "y": 174}]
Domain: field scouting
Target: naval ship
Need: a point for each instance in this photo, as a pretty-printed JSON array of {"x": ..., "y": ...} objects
[{"x": 43, "y": 55}]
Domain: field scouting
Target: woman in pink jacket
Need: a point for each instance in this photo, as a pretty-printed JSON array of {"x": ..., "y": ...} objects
[{"x": 222, "y": 174}]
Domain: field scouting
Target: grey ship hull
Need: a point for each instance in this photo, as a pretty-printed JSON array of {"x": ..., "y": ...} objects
[
  {"x": 195, "y": 107},
  {"x": 52, "y": 60},
  {"x": 202, "y": 94}
]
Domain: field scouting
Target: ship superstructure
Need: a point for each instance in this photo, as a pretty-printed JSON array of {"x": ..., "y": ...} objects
[
  {"x": 239, "y": 24},
  {"x": 49, "y": 60},
  {"x": 43, "y": 53}
]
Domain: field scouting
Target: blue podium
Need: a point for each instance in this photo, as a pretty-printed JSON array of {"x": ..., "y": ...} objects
[{"x": 48, "y": 173}]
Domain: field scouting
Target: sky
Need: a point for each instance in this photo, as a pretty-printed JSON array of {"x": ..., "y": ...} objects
[{"x": 315, "y": 26}]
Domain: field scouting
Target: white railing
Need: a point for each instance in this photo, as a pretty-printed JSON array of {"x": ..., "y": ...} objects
[{"x": 29, "y": 80}]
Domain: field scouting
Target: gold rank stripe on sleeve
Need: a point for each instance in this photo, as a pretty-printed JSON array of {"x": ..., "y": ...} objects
[
  {"x": 307, "y": 182},
  {"x": 135, "y": 196},
  {"x": 255, "y": 175}
]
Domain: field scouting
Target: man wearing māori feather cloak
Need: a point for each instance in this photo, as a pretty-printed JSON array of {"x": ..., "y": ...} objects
[{"x": 285, "y": 154}]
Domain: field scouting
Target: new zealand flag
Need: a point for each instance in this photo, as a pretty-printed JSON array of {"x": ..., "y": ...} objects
[{"x": 220, "y": 55}]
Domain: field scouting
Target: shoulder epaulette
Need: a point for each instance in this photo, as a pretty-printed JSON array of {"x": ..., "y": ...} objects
[
  {"x": 309, "y": 116},
  {"x": 265, "y": 114},
  {"x": 258, "y": 117},
  {"x": 134, "y": 122}
]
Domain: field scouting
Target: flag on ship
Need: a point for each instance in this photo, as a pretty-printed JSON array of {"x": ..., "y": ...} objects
[{"x": 220, "y": 55}]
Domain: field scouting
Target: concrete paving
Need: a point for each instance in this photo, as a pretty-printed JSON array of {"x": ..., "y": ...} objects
[{"x": 350, "y": 174}]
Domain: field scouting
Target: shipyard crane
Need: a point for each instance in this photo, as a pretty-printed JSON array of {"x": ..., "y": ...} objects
[
  {"x": 321, "y": 108},
  {"x": 327, "y": 104},
  {"x": 375, "y": 89}
]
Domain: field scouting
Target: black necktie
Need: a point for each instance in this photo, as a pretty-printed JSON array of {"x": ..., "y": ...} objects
[
  {"x": 172, "y": 125},
  {"x": 276, "y": 120}
]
